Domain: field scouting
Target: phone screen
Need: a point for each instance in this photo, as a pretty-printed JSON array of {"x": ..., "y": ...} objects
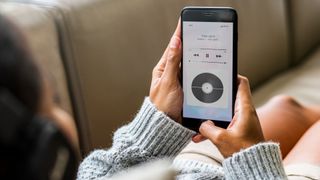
[{"x": 207, "y": 70}]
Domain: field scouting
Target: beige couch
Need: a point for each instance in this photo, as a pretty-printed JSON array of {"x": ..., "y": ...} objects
[{"x": 101, "y": 52}]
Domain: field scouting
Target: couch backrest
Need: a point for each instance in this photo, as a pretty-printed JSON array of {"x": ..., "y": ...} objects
[
  {"x": 305, "y": 27},
  {"x": 40, "y": 33}
]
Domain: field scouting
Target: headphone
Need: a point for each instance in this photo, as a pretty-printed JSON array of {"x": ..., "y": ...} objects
[{"x": 32, "y": 147}]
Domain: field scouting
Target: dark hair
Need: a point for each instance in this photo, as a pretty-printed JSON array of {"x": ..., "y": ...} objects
[{"x": 18, "y": 73}]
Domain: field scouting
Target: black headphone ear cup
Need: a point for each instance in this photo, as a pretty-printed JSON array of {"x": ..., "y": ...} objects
[
  {"x": 52, "y": 157},
  {"x": 32, "y": 146}
]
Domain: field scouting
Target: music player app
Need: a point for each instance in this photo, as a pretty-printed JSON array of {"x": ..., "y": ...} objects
[{"x": 207, "y": 70}]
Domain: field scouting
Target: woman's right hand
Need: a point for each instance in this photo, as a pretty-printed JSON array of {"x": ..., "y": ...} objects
[{"x": 244, "y": 129}]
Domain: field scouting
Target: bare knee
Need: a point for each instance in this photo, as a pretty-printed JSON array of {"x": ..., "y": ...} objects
[
  {"x": 285, "y": 101},
  {"x": 287, "y": 110},
  {"x": 292, "y": 110}
]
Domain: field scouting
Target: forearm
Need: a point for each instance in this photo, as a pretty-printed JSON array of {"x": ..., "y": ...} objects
[{"x": 150, "y": 135}]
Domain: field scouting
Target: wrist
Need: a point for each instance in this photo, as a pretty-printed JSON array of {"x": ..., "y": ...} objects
[
  {"x": 169, "y": 108},
  {"x": 251, "y": 143}
]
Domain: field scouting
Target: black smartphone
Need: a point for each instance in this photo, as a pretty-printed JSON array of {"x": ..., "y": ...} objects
[{"x": 209, "y": 65}]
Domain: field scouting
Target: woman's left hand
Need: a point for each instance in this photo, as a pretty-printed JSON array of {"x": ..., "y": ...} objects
[
  {"x": 244, "y": 130},
  {"x": 165, "y": 91}
]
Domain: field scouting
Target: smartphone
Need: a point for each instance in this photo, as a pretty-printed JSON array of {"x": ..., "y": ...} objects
[{"x": 209, "y": 65}]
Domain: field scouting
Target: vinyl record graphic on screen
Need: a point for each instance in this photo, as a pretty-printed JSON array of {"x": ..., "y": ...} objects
[{"x": 207, "y": 88}]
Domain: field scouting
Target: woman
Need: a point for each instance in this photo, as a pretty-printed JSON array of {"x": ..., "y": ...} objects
[
  {"x": 156, "y": 133},
  {"x": 21, "y": 78}
]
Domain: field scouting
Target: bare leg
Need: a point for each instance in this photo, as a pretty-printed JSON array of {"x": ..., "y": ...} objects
[
  {"x": 307, "y": 150},
  {"x": 284, "y": 120}
]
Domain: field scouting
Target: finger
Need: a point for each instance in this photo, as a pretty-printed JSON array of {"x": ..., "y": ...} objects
[
  {"x": 177, "y": 33},
  {"x": 159, "y": 68},
  {"x": 173, "y": 58},
  {"x": 170, "y": 63},
  {"x": 244, "y": 108},
  {"x": 244, "y": 93},
  {"x": 213, "y": 133},
  {"x": 198, "y": 138}
]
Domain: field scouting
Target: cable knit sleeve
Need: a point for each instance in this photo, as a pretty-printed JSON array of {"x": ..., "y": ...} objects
[
  {"x": 151, "y": 135},
  {"x": 261, "y": 161}
]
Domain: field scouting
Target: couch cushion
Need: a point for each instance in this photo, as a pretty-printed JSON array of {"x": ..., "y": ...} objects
[
  {"x": 301, "y": 82},
  {"x": 304, "y": 16}
]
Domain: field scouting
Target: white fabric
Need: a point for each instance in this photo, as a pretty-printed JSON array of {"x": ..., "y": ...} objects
[
  {"x": 302, "y": 172},
  {"x": 204, "y": 151}
]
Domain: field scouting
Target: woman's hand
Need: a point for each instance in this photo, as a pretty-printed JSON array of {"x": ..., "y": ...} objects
[
  {"x": 244, "y": 130},
  {"x": 165, "y": 91}
]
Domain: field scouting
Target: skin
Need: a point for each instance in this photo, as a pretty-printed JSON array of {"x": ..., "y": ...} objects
[
  {"x": 281, "y": 120},
  {"x": 306, "y": 150},
  {"x": 165, "y": 91},
  {"x": 244, "y": 129},
  {"x": 297, "y": 129},
  {"x": 285, "y": 120},
  {"x": 48, "y": 108}
]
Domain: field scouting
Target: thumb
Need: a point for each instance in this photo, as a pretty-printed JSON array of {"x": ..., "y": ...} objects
[
  {"x": 212, "y": 132},
  {"x": 173, "y": 57}
]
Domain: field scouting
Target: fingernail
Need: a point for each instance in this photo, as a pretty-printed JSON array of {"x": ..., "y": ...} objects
[
  {"x": 195, "y": 135},
  {"x": 174, "y": 42}
]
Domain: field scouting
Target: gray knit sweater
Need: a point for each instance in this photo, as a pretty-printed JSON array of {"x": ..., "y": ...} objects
[{"x": 153, "y": 135}]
